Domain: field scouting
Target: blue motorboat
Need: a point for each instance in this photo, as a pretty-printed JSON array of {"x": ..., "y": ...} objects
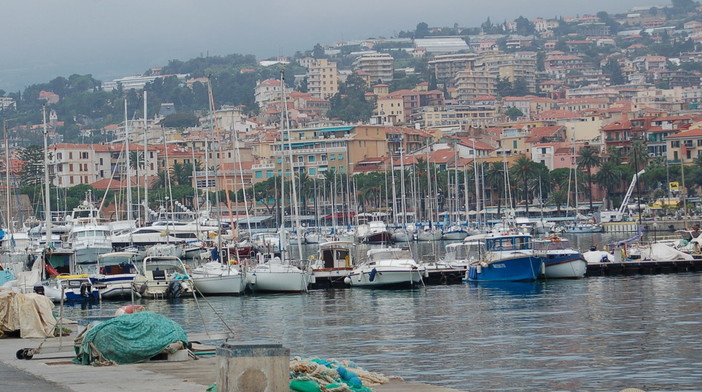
[{"x": 504, "y": 257}]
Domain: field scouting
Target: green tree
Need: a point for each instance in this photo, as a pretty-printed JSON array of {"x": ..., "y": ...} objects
[
  {"x": 524, "y": 169},
  {"x": 180, "y": 120},
  {"x": 588, "y": 158},
  {"x": 495, "y": 179},
  {"x": 558, "y": 198},
  {"x": 422, "y": 30},
  {"x": 513, "y": 113},
  {"x": 524, "y": 26},
  {"x": 350, "y": 104},
  {"x": 609, "y": 177}
]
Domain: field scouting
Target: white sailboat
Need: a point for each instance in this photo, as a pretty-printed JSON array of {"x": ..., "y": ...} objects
[
  {"x": 219, "y": 276},
  {"x": 275, "y": 273}
]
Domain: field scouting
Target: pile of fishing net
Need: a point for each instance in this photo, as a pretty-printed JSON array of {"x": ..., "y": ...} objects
[
  {"x": 320, "y": 375},
  {"x": 129, "y": 338}
]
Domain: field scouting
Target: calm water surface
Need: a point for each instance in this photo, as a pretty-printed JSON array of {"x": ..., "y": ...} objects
[{"x": 594, "y": 334}]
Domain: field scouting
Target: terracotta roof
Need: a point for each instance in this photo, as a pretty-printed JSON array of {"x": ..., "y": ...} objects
[{"x": 697, "y": 132}]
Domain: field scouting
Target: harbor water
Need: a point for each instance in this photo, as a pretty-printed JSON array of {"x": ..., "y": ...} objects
[{"x": 595, "y": 334}]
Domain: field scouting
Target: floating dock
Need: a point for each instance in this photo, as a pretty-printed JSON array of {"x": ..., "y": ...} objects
[{"x": 643, "y": 267}]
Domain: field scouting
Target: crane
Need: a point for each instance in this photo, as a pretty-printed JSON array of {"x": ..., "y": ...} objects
[{"x": 617, "y": 216}]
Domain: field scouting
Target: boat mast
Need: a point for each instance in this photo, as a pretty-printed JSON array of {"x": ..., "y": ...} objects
[
  {"x": 8, "y": 216},
  {"x": 402, "y": 184},
  {"x": 129, "y": 175},
  {"x": 296, "y": 208},
  {"x": 477, "y": 183},
  {"x": 47, "y": 196},
  {"x": 146, "y": 182}
]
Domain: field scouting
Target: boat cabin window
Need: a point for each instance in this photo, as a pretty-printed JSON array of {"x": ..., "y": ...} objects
[{"x": 508, "y": 243}]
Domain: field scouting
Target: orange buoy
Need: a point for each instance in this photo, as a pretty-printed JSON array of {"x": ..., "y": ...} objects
[{"x": 129, "y": 309}]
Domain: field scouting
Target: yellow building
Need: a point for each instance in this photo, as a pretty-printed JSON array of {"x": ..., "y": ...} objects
[
  {"x": 685, "y": 147},
  {"x": 322, "y": 79}
]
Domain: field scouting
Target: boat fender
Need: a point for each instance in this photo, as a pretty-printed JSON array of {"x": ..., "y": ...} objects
[
  {"x": 483, "y": 264},
  {"x": 129, "y": 309},
  {"x": 479, "y": 268},
  {"x": 347, "y": 280},
  {"x": 444, "y": 279},
  {"x": 143, "y": 288},
  {"x": 371, "y": 276}
]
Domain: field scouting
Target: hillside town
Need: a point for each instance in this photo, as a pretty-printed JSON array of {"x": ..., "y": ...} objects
[{"x": 594, "y": 93}]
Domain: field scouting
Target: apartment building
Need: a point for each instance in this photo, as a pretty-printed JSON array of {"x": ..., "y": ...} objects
[
  {"x": 685, "y": 147},
  {"x": 74, "y": 164},
  {"x": 489, "y": 68},
  {"x": 378, "y": 66},
  {"x": 267, "y": 91},
  {"x": 322, "y": 79},
  {"x": 446, "y": 67}
]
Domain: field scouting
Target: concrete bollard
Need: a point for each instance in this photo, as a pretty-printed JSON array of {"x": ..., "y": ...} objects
[{"x": 253, "y": 368}]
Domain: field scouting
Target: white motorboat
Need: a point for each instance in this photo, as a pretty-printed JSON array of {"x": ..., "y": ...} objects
[
  {"x": 274, "y": 275},
  {"x": 88, "y": 241},
  {"x": 334, "y": 263},
  {"x": 561, "y": 261},
  {"x": 373, "y": 232},
  {"x": 215, "y": 278},
  {"x": 387, "y": 268},
  {"x": 70, "y": 288},
  {"x": 162, "y": 277},
  {"x": 115, "y": 272}
]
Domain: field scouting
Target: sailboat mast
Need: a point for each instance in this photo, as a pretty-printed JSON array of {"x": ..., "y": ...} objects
[
  {"x": 146, "y": 182},
  {"x": 477, "y": 183},
  {"x": 295, "y": 203},
  {"x": 129, "y": 175},
  {"x": 8, "y": 216},
  {"x": 47, "y": 196},
  {"x": 402, "y": 184}
]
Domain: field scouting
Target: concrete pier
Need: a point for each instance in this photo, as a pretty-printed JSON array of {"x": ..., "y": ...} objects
[
  {"x": 52, "y": 370},
  {"x": 639, "y": 267}
]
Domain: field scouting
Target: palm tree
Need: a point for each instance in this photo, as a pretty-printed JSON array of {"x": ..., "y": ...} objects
[
  {"x": 609, "y": 177},
  {"x": 524, "y": 169},
  {"x": 494, "y": 177},
  {"x": 638, "y": 155},
  {"x": 588, "y": 158}
]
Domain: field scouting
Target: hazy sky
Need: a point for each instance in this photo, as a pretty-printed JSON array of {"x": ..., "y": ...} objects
[{"x": 112, "y": 38}]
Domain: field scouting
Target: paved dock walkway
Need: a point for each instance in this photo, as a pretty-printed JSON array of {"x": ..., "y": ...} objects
[{"x": 54, "y": 371}]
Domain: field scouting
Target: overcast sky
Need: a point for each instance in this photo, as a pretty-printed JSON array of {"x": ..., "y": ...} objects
[{"x": 112, "y": 38}]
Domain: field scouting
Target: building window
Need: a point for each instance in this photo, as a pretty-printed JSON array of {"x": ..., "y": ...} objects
[
  {"x": 514, "y": 144},
  {"x": 332, "y": 157},
  {"x": 341, "y": 157},
  {"x": 269, "y": 173},
  {"x": 259, "y": 174},
  {"x": 312, "y": 171},
  {"x": 70, "y": 156},
  {"x": 311, "y": 158}
]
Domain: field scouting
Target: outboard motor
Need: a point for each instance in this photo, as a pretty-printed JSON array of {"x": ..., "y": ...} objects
[
  {"x": 39, "y": 290},
  {"x": 174, "y": 289}
]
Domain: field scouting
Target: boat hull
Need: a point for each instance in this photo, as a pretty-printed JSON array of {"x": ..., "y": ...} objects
[
  {"x": 433, "y": 235},
  {"x": 386, "y": 278},
  {"x": 85, "y": 255},
  {"x": 382, "y": 237},
  {"x": 219, "y": 285},
  {"x": 278, "y": 282},
  {"x": 457, "y": 235},
  {"x": 114, "y": 286},
  {"x": 564, "y": 266},
  {"x": 517, "y": 269}
]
